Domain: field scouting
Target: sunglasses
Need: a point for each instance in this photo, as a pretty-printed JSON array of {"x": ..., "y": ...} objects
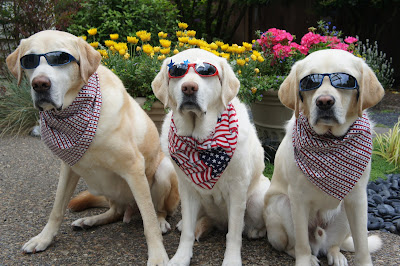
[
  {"x": 202, "y": 69},
  {"x": 57, "y": 58},
  {"x": 338, "y": 80}
]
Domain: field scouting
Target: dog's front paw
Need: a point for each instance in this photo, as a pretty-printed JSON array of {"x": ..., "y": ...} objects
[
  {"x": 37, "y": 244},
  {"x": 336, "y": 258},
  {"x": 179, "y": 226},
  {"x": 82, "y": 223},
  {"x": 160, "y": 259},
  {"x": 179, "y": 260},
  {"x": 232, "y": 261},
  {"x": 307, "y": 261}
]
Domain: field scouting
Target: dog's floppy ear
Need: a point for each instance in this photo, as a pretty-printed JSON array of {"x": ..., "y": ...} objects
[
  {"x": 288, "y": 92},
  {"x": 14, "y": 64},
  {"x": 160, "y": 83},
  {"x": 89, "y": 59},
  {"x": 230, "y": 83},
  {"x": 371, "y": 91}
]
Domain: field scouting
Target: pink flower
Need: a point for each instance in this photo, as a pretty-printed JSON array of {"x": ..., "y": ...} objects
[
  {"x": 303, "y": 49},
  {"x": 351, "y": 40},
  {"x": 274, "y": 36},
  {"x": 310, "y": 39},
  {"x": 341, "y": 46},
  {"x": 281, "y": 51}
]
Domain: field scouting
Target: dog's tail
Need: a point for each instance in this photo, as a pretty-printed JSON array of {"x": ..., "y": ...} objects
[
  {"x": 85, "y": 200},
  {"x": 374, "y": 244}
]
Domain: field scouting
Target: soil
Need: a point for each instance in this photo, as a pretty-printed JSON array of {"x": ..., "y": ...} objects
[{"x": 391, "y": 101}]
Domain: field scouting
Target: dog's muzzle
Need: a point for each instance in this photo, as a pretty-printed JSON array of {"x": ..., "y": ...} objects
[
  {"x": 189, "y": 99},
  {"x": 325, "y": 110},
  {"x": 41, "y": 86}
]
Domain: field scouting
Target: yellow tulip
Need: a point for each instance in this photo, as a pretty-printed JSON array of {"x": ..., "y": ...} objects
[
  {"x": 122, "y": 51},
  {"x": 256, "y": 70},
  {"x": 253, "y": 90},
  {"x": 114, "y": 36},
  {"x": 224, "y": 47},
  {"x": 254, "y": 57},
  {"x": 145, "y": 37},
  {"x": 247, "y": 59},
  {"x": 109, "y": 43},
  {"x": 176, "y": 51},
  {"x": 219, "y": 43},
  {"x": 225, "y": 55},
  {"x": 213, "y": 46},
  {"x": 165, "y": 50},
  {"x": 215, "y": 52},
  {"x": 160, "y": 34},
  {"x": 147, "y": 48},
  {"x": 83, "y": 37},
  {"x": 94, "y": 44},
  {"x": 193, "y": 41},
  {"x": 132, "y": 40},
  {"x": 183, "y": 39},
  {"x": 156, "y": 49},
  {"x": 126, "y": 56},
  {"x": 240, "y": 62},
  {"x": 139, "y": 33},
  {"x": 165, "y": 43},
  {"x": 191, "y": 33},
  {"x": 92, "y": 31},
  {"x": 182, "y": 25},
  {"x": 260, "y": 59},
  {"x": 138, "y": 49},
  {"x": 179, "y": 33},
  {"x": 161, "y": 57}
]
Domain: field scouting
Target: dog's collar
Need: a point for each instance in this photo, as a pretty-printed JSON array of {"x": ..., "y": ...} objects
[
  {"x": 69, "y": 132},
  {"x": 333, "y": 164},
  {"x": 203, "y": 162}
]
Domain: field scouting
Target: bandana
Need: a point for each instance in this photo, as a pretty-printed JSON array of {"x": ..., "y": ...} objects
[
  {"x": 69, "y": 132},
  {"x": 203, "y": 162},
  {"x": 333, "y": 164}
]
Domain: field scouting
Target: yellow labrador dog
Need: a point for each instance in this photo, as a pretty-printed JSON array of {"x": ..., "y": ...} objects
[
  {"x": 100, "y": 133},
  {"x": 317, "y": 199},
  {"x": 218, "y": 157}
]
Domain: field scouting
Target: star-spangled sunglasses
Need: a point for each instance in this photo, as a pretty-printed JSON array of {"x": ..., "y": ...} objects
[
  {"x": 202, "y": 69},
  {"x": 56, "y": 58}
]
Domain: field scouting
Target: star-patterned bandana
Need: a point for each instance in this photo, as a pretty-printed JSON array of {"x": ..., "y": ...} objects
[
  {"x": 333, "y": 164},
  {"x": 69, "y": 132},
  {"x": 203, "y": 162}
]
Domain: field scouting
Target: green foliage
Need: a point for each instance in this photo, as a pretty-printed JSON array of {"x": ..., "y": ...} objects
[
  {"x": 17, "y": 114},
  {"x": 378, "y": 62},
  {"x": 268, "y": 170},
  {"x": 387, "y": 145},
  {"x": 124, "y": 17}
]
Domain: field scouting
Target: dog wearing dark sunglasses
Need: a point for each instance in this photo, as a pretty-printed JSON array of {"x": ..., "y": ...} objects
[
  {"x": 317, "y": 202},
  {"x": 101, "y": 134},
  {"x": 217, "y": 155}
]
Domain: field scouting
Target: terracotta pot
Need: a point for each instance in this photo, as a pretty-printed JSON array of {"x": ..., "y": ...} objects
[
  {"x": 270, "y": 116},
  {"x": 156, "y": 113}
]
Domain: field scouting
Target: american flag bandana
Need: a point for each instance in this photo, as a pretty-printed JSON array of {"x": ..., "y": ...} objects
[
  {"x": 203, "y": 162},
  {"x": 333, "y": 164},
  {"x": 69, "y": 132}
]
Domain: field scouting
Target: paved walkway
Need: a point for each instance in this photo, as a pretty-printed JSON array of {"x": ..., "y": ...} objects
[{"x": 28, "y": 181}]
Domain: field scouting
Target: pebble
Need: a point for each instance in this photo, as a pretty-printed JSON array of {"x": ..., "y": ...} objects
[{"x": 384, "y": 204}]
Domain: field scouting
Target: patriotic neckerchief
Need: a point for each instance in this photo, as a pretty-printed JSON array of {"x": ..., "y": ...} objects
[
  {"x": 69, "y": 132},
  {"x": 333, "y": 164},
  {"x": 203, "y": 162}
]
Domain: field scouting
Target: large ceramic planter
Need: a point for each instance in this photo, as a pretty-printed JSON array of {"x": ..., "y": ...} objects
[
  {"x": 156, "y": 113},
  {"x": 269, "y": 117}
]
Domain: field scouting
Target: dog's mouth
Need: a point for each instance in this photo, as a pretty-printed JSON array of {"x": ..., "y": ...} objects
[
  {"x": 189, "y": 105},
  {"x": 45, "y": 103},
  {"x": 326, "y": 117}
]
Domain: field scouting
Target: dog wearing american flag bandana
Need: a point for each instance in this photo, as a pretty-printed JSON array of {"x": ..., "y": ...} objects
[
  {"x": 317, "y": 202},
  {"x": 216, "y": 153}
]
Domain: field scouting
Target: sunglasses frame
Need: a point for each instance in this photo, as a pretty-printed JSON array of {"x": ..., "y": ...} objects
[
  {"x": 330, "y": 80},
  {"x": 194, "y": 67},
  {"x": 71, "y": 58}
]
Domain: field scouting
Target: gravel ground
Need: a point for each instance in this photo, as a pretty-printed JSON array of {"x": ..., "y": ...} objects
[{"x": 28, "y": 181}]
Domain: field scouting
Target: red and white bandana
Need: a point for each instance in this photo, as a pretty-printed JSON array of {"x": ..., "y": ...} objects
[
  {"x": 69, "y": 132},
  {"x": 204, "y": 161},
  {"x": 333, "y": 164}
]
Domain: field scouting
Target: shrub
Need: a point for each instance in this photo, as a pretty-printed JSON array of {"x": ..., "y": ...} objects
[
  {"x": 124, "y": 17},
  {"x": 388, "y": 146}
]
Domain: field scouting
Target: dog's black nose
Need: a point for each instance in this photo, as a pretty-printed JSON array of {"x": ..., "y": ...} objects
[
  {"x": 189, "y": 87},
  {"x": 41, "y": 83},
  {"x": 325, "y": 102}
]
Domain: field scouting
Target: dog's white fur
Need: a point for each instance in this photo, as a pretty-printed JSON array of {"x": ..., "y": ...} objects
[
  {"x": 238, "y": 194},
  {"x": 300, "y": 218},
  {"x": 124, "y": 162}
]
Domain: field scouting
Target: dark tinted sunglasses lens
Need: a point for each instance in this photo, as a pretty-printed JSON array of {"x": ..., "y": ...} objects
[
  {"x": 343, "y": 81},
  {"x": 310, "y": 82},
  {"x": 178, "y": 70},
  {"x": 206, "y": 69},
  {"x": 57, "y": 58},
  {"x": 30, "y": 61}
]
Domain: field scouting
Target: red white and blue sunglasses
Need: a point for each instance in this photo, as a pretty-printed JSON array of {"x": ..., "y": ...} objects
[{"x": 203, "y": 69}]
